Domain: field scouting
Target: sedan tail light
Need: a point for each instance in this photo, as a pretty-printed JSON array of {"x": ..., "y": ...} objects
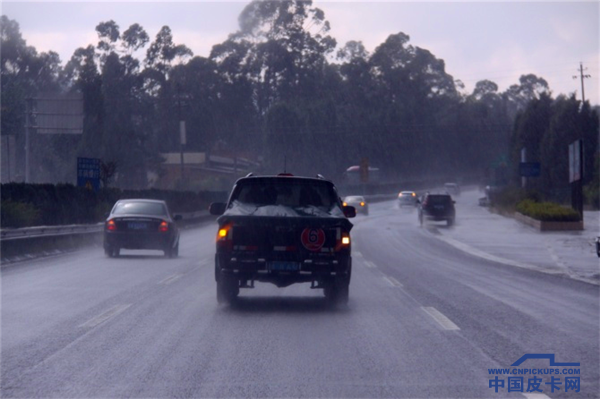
[
  {"x": 163, "y": 227},
  {"x": 111, "y": 225}
]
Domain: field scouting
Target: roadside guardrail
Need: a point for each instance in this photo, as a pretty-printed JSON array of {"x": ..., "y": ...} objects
[{"x": 77, "y": 229}]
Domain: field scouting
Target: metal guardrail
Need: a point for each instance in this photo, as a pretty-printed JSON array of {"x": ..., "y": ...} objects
[
  {"x": 52, "y": 231},
  {"x": 45, "y": 231}
]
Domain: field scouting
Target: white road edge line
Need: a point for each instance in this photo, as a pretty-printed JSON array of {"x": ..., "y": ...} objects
[
  {"x": 170, "y": 279},
  {"x": 535, "y": 396},
  {"x": 109, "y": 314},
  {"x": 396, "y": 282},
  {"x": 442, "y": 320},
  {"x": 475, "y": 252}
]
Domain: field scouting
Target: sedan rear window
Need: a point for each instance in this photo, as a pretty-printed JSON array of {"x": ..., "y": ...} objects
[
  {"x": 140, "y": 208},
  {"x": 438, "y": 199}
]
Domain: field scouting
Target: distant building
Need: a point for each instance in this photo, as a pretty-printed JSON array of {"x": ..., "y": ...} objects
[{"x": 200, "y": 169}]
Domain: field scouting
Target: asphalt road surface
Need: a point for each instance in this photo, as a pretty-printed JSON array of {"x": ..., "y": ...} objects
[{"x": 424, "y": 320}]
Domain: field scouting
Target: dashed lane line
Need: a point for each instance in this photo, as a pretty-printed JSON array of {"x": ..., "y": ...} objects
[
  {"x": 170, "y": 279},
  {"x": 370, "y": 264},
  {"x": 442, "y": 320},
  {"x": 392, "y": 281},
  {"x": 109, "y": 314},
  {"x": 536, "y": 396}
]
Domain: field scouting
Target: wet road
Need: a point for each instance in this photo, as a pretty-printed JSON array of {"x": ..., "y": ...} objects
[{"x": 424, "y": 320}]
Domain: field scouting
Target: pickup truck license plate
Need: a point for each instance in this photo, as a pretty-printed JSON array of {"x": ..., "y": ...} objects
[{"x": 284, "y": 266}]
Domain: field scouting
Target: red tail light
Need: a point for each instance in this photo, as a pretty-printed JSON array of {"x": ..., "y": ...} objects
[
  {"x": 111, "y": 225},
  {"x": 164, "y": 227}
]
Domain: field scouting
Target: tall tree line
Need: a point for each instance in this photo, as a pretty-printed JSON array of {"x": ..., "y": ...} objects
[
  {"x": 545, "y": 129},
  {"x": 279, "y": 89}
]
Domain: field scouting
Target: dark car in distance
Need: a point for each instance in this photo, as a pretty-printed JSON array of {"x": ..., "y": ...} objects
[
  {"x": 283, "y": 230},
  {"x": 141, "y": 224},
  {"x": 437, "y": 207}
]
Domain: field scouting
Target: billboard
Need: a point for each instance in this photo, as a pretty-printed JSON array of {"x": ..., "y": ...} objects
[{"x": 58, "y": 113}]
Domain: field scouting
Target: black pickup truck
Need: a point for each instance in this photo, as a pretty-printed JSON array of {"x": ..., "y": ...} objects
[{"x": 283, "y": 230}]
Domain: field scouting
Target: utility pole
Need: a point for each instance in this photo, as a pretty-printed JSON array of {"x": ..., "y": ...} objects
[
  {"x": 28, "y": 107},
  {"x": 582, "y": 76},
  {"x": 182, "y": 132}
]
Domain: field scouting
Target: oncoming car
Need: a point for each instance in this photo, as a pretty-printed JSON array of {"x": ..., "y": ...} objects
[
  {"x": 407, "y": 198},
  {"x": 358, "y": 202},
  {"x": 141, "y": 224}
]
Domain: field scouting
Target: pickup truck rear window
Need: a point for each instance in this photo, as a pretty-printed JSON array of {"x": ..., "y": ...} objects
[{"x": 285, "y": 197}]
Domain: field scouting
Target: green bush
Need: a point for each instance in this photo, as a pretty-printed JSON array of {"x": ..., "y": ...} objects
[
  {"x": 508, "y": 198},
  {"x": 547, "y": 211},
  {"x": 18, "y": 214}
]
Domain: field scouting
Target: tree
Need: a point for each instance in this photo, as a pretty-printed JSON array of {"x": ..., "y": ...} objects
[
  {"x": 24, "y": 74},
  {"x": 530, "y": 87},
  {"x": 163, "y": 52}
]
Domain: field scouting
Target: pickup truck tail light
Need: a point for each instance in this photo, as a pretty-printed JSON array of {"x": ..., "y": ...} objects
[
  {"x": 342, "y": 240},
  {"x": 225, "y": 237}
]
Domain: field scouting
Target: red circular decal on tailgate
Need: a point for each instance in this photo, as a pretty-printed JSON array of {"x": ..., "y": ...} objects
[{"x": 313, "y": 239}]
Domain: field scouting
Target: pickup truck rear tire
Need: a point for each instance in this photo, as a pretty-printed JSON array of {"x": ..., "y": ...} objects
[
  {"x": 228, "y": 288},
  {"x": 337, "y": 291}
]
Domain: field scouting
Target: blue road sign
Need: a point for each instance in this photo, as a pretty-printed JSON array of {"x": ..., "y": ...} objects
[
  {"x": 88, "y": 173},
  {"x": 529, "y": 169}
]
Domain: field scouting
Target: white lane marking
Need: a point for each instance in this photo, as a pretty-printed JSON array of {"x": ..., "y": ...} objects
[
  {"x": 370, "y": 264},
  {"x": 535, "y": 396},
  {"x": 170, "y": 279},
  {"x": 357, "y": 254},
  {"x": 387, "y": 280},
  {"x": 442, "y": 320},
  {"x": 395, "y": 282},
  {"x": 109, "y": 314}
]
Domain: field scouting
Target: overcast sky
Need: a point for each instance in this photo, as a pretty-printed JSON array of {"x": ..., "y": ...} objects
[{"x": 478, "y": 40}]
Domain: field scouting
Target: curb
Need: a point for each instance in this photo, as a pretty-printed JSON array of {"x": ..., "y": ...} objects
[{"x": 484, "y": 255}]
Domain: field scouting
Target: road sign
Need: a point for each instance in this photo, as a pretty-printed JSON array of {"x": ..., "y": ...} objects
[
  {"x": 529, "y": 169},
  {"x": 575, "y": 161},
  {"x": 88, "y": 173}
]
